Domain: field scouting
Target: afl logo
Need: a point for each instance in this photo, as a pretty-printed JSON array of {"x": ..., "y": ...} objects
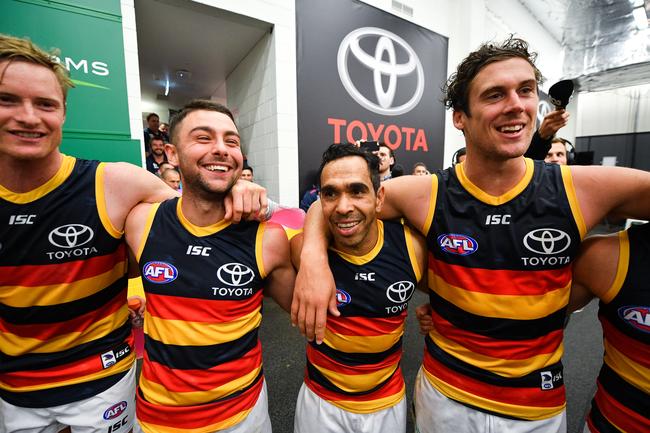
[
  {"x": 70, "y": 236},
  {"x": 461, "y": 245},
  {"x": 547, "y": 241},
  {"x": 637, "y": 317},
  {"x": 115, "y": 410},
  {"x": 343, "y": 298},
  {"x": 159, "y": 272}
]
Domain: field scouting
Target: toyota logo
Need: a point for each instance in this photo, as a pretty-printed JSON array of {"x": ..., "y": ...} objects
[
  {"x": 547, "y": 241},
  {"x": 385, "y": 45},
  {"x": 235, "y": 274},
  {"x": 400, "y": 291},
  {"x": 71, "y": 235}
]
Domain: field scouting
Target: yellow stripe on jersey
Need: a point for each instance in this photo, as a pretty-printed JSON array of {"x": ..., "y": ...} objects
[
  {"x": 221, "y": 425},
  {"x": 633, "y": 373},
  {"x": 495, "y": 200},
  {"x": 146, "y": 229},
  {"x": 259, "y": 255},
  {"x": 159, "y": 395},
  {"x": 411, "y": 251},
  {"x": 358, "y": 382},
  {"x": 199, "y": 231},
  {"x": 527, "y": 307},
  {"x": 432, "y": 205},
  {"x": 369, "y": 406},
  {"x": 67, "y": 164},
  {"x": 101, "y": 203},
  {"x": 532, "y": 413},
  {"x": 567, "y": 179},
  {"x": 503, "y": 367},
  {"x": 363, "y": 343},
  {"x": 186, "y": 333},
  {"x": 14, "y": 345},
  {"x": 54, "y": 294},
  {"x": 291, "y": 233},
  {"x": 621, "y": 267},
  {"x": 366, "y": 258},
  {"x": 121, "y": 366}
]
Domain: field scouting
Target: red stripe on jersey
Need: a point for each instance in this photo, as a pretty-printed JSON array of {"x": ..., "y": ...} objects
[
  {"x": 532, "y": 397},
  {"x": 630, "y": 347},
  {"x": 322, "y": 360},
  {"x": 201, "y": 310},
  {"x": 393, "y": 386},
  {"x": 59, "y": 273},
  {"x": 500, "y": 281},
  {"x": 176, "y": 380},
  {"x": 503, "y": 349},
  {"x": 52, "y": 375},
  {"x": 194, "y": 417},
  {"x": 47, "y": 331},
  {"x": 365, "y": 326},
  {"x": 621, "y": 416}
]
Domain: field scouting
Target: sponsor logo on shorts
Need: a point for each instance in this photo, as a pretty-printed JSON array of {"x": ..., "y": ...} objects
[
  {"x": 159, "y": 272},
  {"x": 550, "y": 380},
  {"x": 343, "y": 298},
  {"x": 114, "y": 356},
  {"x": 108, "y": 359},
  {"x": 461, "y": 245},
  {"x": 115, "y": 410},
  {"x": 636, "y": 316}
]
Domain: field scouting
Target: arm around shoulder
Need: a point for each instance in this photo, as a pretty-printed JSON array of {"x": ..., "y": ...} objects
[{"x": 281, "y": 275}]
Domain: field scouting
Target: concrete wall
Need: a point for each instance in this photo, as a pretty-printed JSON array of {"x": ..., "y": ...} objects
[{"x": 619, "y": 111}]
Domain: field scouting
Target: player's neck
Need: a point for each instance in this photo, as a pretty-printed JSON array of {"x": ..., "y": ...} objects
[
  {"x": 200, "y": 211},
  {"x": 495, "y": 177},
  {"x": 24, "y": 175}
]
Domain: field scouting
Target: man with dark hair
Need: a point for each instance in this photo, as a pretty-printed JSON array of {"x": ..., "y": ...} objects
[
  {"x": 156, "y": 155},
  {"x": 353, "y": 381},
  {"x": 420, "y": 169},
  {"x": 202, "y": 368},
  {"x": 557, "y": 154},
  {"x": 500, "y": 287},
  {"x": 247, "y": 173},
  {"x": 152, "y": 130},
  {"x": 386, "y": 161}
]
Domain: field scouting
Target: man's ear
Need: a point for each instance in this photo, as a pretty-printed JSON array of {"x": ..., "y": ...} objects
[
  {"x": 380, "y": 198},
  {"x": 172, "y": 155},
  {"x": 459, "y": 120}
]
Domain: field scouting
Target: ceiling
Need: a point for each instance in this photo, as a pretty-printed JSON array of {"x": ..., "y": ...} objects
[
  {"x": 603, "y": 48},
  {"x": 182, "y": 35}
]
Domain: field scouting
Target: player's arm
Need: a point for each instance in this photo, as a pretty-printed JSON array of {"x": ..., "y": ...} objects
[
  {"x": 420, "y": 249},
  {"x": 594, "y": 270},
  {"x": 276, "y": 256},
  {"x": 315, "y": 291},
  {"x": 126, "y": 185},
  {"x": 616, "y": 192}
]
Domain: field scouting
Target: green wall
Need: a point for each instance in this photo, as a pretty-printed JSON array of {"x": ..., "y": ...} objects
[{"x": 88, "y": 35}]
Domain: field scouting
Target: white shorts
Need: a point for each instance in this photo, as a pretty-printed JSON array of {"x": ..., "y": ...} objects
[
  {"x": 257, "y": 420},
  {"x": 111, "y": 411},
  {"x": 316, "y": 415},
  {"x": 435, "y": 413}
]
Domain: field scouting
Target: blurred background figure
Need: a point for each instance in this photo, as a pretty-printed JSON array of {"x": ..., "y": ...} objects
[
  {"x": 247, "y": 173},
  {"x": 172, "y": 177},
  {"x": 558, "y": 153},
  {"x": 420, "y": 169}
]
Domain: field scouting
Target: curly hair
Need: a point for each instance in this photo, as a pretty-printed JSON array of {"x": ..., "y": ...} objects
[
  {"x": 20, "y": 49},
  {"x": 456, "y": 89}
]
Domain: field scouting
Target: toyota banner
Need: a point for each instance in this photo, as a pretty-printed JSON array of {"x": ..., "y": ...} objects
[{"x": 364, "y": 74}]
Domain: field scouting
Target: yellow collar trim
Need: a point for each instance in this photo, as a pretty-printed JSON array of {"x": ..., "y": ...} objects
[
  {"x": 198, "y": 230},
  {"x": 67, "y": 164},
  {"x": 362, "y": 260},
  {"x": 492, "y": 199}
]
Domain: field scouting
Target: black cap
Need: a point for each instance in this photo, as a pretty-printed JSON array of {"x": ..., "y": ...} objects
[{"x": 560, "y": 93}]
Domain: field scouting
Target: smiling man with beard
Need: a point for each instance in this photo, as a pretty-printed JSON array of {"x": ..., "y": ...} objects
[{"x": 203, "y": 278}]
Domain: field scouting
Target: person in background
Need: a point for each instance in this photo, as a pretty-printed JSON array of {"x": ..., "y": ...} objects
[
  {"x": 247, "y": 173},
  {"x": 420, "y": 169},
  {"x": 156, "y": 156},
  {"x": 172, "y": 177},
  {"x": 558, "y": 152}
]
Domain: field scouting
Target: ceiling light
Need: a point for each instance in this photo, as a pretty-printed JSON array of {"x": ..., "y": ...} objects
[
  {"x": 183, "y": 74},
  {"x": 640, "y": 18},
  {"x": 167, "y": 86}
]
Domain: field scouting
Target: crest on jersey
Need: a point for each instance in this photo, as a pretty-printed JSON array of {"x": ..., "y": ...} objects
[{"x": 461, "y": 245}]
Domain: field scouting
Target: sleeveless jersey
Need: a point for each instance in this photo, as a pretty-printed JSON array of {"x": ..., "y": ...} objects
[
  {"x": 622, "y": 400},
  {"x": 499, "y": 278},
  {"x": 357, "y": 366},
  {"x": 202, "y": 367},
  {"x": 65, "y": 333}
]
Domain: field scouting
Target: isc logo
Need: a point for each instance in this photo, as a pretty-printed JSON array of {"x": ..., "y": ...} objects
[
  {"x": 342, "y": 298},
  {"x": 197, "y": 250},
  {"x": 457, "y": 244},
  {"x": 21, "y": 219},
  {"x": 638, "y": 317},
  {"x": 115, "y": 410},
  {"x": 159, "y": 272},
  {"x": 364, "y": 276}
]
